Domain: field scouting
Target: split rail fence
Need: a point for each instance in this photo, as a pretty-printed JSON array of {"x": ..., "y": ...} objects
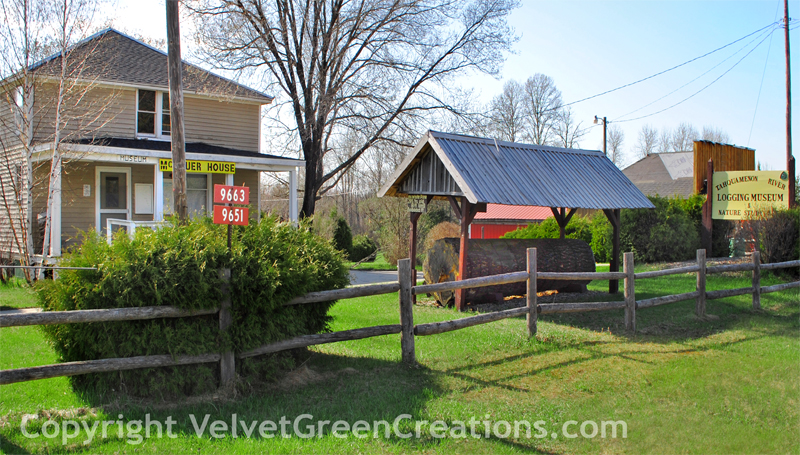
[{"x": 406, "y": 327}]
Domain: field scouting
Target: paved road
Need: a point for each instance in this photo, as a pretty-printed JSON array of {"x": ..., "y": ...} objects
[{"x": 375, "y": 276}]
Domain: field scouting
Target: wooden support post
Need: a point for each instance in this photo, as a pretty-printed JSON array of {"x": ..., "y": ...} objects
[
  {"x": 707, "y": 223},
  {"x": 562, "y": 218},
  {"x": 756, "y": 280},
  {"x": 227, "y": 367},
  {"x": 412, "y": 247},
  {"x": 615, "y": 220},
  {"x": 700, "y": 302},
  {"x": 405, "y": 275},
  {"x": 630, "y": 293},
  {"x": 461, "y": 294},
  {"x": 792, "y": 188},
  {"x": 531, "y": 295}
]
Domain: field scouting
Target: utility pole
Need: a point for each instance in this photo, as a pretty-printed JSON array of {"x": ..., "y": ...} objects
[
  {"x": 790, "y": 164},
  {"x": 605, "y": 122},
  {"x": 176, "y": 112}
]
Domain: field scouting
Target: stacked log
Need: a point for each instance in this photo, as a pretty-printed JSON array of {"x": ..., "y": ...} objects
[{"x": 495, "y": 256}]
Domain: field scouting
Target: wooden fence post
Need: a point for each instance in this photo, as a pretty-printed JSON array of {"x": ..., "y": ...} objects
[
  {"x": 630, "y": 293},
  {"x": 756, "y": 280},
  {"x": 227, "y": 367},
  {"x": 533, "y": 314},
  {"x": 700, "y": 302},
  {"x": 404, "y": 274}
]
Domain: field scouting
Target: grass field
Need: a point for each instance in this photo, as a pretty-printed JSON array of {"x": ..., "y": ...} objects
[{"x": 729, "y": 384}]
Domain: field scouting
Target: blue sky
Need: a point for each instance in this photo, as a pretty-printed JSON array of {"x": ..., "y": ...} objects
[{"x": 589, "y": 47}]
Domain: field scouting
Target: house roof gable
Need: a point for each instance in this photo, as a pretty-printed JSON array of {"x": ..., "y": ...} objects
[{"x": 112, "y": 57}]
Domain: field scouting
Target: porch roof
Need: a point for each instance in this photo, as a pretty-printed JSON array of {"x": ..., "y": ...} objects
[{"x": 108, "y": 148}]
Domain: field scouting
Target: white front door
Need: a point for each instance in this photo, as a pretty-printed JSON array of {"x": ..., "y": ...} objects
[{"x": 113, "y": 195}]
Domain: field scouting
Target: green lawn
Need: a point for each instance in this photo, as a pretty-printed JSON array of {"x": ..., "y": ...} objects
[
  {"x": 729, "y": 384},
  {"x": 16, "y": 294},
  {"x": 379, "y": 263}
]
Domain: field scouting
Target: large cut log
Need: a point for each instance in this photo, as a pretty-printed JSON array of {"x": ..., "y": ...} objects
[{"x": 495, "y": 256}]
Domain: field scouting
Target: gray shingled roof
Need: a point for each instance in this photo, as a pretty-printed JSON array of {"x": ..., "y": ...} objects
[
  {"x": 653, "y": 178},
  {"x": 110, "y": 56},
  {"x": 166, "y": 146},
  {"x": 523, "y": 174}
]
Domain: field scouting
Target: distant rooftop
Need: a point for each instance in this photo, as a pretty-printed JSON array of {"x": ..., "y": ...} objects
[
  {"x": 663, "y": 174},
  {"x": 527, "y": 213}
]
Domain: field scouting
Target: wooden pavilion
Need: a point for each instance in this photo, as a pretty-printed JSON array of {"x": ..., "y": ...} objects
[{"x": 470, "y": 172}]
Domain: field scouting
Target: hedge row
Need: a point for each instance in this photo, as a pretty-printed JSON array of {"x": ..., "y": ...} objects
[
  {"x": 271, "y": 263},
  {"x": 670, "y": 232}
]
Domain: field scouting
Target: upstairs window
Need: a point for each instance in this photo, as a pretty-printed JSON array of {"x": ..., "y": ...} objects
[{"x": 152, "y": 114}]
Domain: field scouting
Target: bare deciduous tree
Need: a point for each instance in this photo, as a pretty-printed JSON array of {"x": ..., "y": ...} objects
[
  {"x": 713, "y": 134},
  {"x": 542, "y": 103},
  {"x": 42, "y": 104},
  {"x": 615, "y": 139},
  {"x": 683, "y": 137},
  {"x": 567, "y": 132},
  {"x": 665, "y": 141},
  {"x": 647, "y": 141},
  {"x": 506, "y": 111},
  {"x": 371, "y": 67}
]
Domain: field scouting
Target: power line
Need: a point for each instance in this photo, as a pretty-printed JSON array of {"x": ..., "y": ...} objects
[
  {"x": 669, "y": 69},
  {"x": 763, "y": 74},
  {"x": 698, "y": 77},
  {"x": 702, "y": 89}
]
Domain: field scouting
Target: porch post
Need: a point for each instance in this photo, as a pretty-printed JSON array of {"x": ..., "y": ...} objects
[
  {"x": 229, "y": 179},
  {"x": 258, "y": 197},
  {"x": 55, "y": 213},
  {"x": 158, "y": 194},
  {"x": 293, "y": 195}
]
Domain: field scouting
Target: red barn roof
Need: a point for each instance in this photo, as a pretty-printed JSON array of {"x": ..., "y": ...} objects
[{"x": 526, "y": 213}]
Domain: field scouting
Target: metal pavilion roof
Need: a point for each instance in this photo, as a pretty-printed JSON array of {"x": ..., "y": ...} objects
[{"x": 490, "y": 171}]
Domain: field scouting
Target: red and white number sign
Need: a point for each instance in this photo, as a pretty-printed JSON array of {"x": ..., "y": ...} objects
[
  {"x": 228, "y": 214},
  {"x": 224, "y": 194},
  {"x": 224, "y": 214}
]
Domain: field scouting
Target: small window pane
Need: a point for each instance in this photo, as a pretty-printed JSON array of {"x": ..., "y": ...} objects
[
  {"x": 196, "y": 182},
  {"x": 113, "y": 191},
  {"x": 146, "y": 123},
  {"x": 147, "y": 100},
  {"x": 165, "y": 102},
  {"x": 168, "y": 197},
  {"x": 196, "y": 202},
  {"x": 165, "y": 125}
]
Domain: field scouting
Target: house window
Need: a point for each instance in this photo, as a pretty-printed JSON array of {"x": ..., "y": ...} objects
[
  {"x": 152, "y": 114},
  {"x": 198, "y": 196}
]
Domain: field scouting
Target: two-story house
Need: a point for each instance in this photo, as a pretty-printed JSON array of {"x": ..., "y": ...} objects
[{"x": 117, "y": 154}]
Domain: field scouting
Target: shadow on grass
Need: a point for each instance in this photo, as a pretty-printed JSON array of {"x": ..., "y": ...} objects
[
  {"x": 325, "y": 387},
  {"x": 677, "y": 321},
  {"x": 7, "y": 446}
]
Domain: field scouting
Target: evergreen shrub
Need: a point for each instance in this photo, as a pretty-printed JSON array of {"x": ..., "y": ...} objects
[
  {"x": 271, "y": 263},
  {"x": 363, "y": 246},
  {"x": 343, "y": 237},
  {"x": 666, "y": 233}
]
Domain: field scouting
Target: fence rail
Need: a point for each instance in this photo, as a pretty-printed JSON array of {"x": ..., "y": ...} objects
[{"x": 406, "y": 327}]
